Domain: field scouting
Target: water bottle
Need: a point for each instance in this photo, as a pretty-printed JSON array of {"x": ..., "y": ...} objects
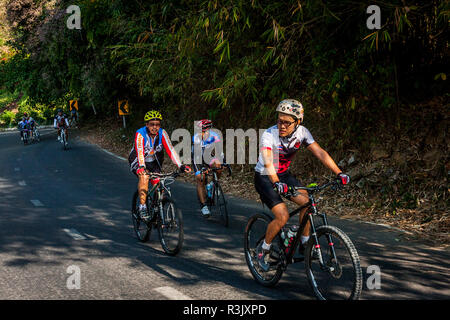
[
  {"x": 290, "y": 237},
  {"x": 209, "y": 189}
]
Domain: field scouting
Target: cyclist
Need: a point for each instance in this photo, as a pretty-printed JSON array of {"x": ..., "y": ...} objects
[
  {"x": 278, "y": 146},
  {"x": 60, "y": 122},
  {"x": 32, "y": 123},
  {"x": 74, "y": 116},
  {"x": 23, "y": 124},
  {"x": 150, "y": 142},
  {"x": 205, "y": 140}
]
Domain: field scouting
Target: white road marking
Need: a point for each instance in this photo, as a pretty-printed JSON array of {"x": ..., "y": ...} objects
[
  {"x": 37, "y": 203},
  {"x": 172, "y": 293},
  {"x": 114, "y": 155},
  {"x": 74, "y": 234},
  {"x": 22, "y": 183}
]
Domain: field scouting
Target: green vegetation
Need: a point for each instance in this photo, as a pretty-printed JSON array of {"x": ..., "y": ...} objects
[{"x": 234, "y": 60}]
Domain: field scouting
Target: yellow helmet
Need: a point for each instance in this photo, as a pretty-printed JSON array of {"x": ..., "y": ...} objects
[{"x": 153, "y": 114}]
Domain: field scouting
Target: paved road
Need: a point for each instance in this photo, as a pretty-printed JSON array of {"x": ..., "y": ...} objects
[{"x": 71, "y": 208}]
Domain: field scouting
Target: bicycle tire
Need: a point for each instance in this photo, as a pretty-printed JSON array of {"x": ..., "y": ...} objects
[
  {"x": 341, "y": 243},
  {"x": 144, "y": 235},
  {"x": 25, "y": 138},
  {"x": 251, "y": 244},
  {"x": 174, "y": 222},
  {"x": 219, "y": 203}
]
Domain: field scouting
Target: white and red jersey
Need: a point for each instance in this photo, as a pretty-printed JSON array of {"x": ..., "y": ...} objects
[
  {"x": 147, "y": 149},
  {"x": 60, "y": 121},
  {"x": 283, "y": 148}
]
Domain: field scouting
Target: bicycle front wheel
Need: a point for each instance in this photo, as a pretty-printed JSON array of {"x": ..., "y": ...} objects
[
  {"x": 219, "y": 204},
  {"x": 171, "y": 234},
  {"x": 339, "y": 277},
  {"x": 254, "y": 234},
  {"x": 63, "y": 139},
  {"x": 142, "y": 229}
]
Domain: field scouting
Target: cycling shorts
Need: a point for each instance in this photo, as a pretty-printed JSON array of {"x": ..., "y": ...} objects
[
  {"x": 150, "y": 166},
  {"x": 265, "y": 189}
]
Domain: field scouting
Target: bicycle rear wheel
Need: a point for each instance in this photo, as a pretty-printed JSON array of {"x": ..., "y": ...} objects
[
  {"x": 142, "y": 229},
  {"x": 171, "y": 234},
  {"x": 340, "y": 277},
  {"x": 254, "y": 234},
  {"x": 219, "y": 204}
]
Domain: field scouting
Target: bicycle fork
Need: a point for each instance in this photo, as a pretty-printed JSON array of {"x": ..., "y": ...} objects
[{"x": 316, "y": 239}]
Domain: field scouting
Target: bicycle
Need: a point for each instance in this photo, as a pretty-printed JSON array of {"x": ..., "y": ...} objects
[
  {"x": 63, "y": 136},
  {"x": 217, "y": 201},
  {"x": 329, "y": 254},
  {"x": 162, "y": 213},
  {"x": 25, "y": 135},
  {"x": 73, "y": 122},
  {"x": 36, "y": 136}
]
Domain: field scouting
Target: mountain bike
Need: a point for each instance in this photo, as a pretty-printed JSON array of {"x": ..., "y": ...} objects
[
  {"x": 36, "y": 135},
  {"x": 73, "y": 122},
  {"x": 217, "y": 201},
  {"x": 331, "y": 261},
  {"x": 63, "y": 136},
  {"x": 25, "y": 136},
  {"x": 162, "y": 214}
]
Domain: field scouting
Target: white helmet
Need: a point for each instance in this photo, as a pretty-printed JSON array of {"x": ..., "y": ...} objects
[{"x": 291, "y": 107}]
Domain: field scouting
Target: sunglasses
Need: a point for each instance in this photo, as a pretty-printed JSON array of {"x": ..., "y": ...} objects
[
  {"x": 154, "y": 124},
  {"x": 286, "y": 124}
]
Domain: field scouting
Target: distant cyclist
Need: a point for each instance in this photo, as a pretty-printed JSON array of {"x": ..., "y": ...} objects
[
  {"x": 23, "y": 124},
  {"x": 32, "y": 124},
  {"x": 278, "y": 146},
  {"x": 74, "y": 116},
  {"x": 150, "y": 142},
  {"x": 206, "y": 139},
  {"x": 61, "y": 122}
]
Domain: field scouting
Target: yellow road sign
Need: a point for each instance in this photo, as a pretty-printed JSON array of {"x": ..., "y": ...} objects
[
  {"x": 124, "y": 108},
  {"x": 73, "y": 104}
]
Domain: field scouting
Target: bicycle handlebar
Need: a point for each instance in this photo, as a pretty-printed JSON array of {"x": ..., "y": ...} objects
[
  {"x": 222, "y": 166},
  {"x": 335, "y": 184},
  {"x": 173, "y": 174}
]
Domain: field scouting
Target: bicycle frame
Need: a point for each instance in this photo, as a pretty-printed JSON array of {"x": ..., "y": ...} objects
[
  {"x": 156, "y": 194},
  {"x": 309, "y": 214}
]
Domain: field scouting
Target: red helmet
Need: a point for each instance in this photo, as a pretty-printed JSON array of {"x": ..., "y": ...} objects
[{"x": 204, "y": 124}]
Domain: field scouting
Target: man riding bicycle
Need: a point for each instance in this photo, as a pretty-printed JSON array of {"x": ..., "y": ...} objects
[
  {"x": 32, "y": 124},
  {"x": 204, "y": 140},
  {"x": 147, "y": 153},
  {"x": 74, "y": 116},
  {"x": 278, "y": 146},
  {"x": 61, "y": 122},
  {"x": 23, "y": 124}
]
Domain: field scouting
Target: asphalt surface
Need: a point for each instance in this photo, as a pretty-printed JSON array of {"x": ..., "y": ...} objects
[{"x": 71, "y": 209}]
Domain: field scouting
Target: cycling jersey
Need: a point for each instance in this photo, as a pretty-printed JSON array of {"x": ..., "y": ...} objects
[
  {"x": 205, "y": 142},
  {"x": 283, "y": 148},
  {"x": 147, "y": 151},
  {"x": 24, "y": 124},
  {"x": 60, "y": 121}
]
